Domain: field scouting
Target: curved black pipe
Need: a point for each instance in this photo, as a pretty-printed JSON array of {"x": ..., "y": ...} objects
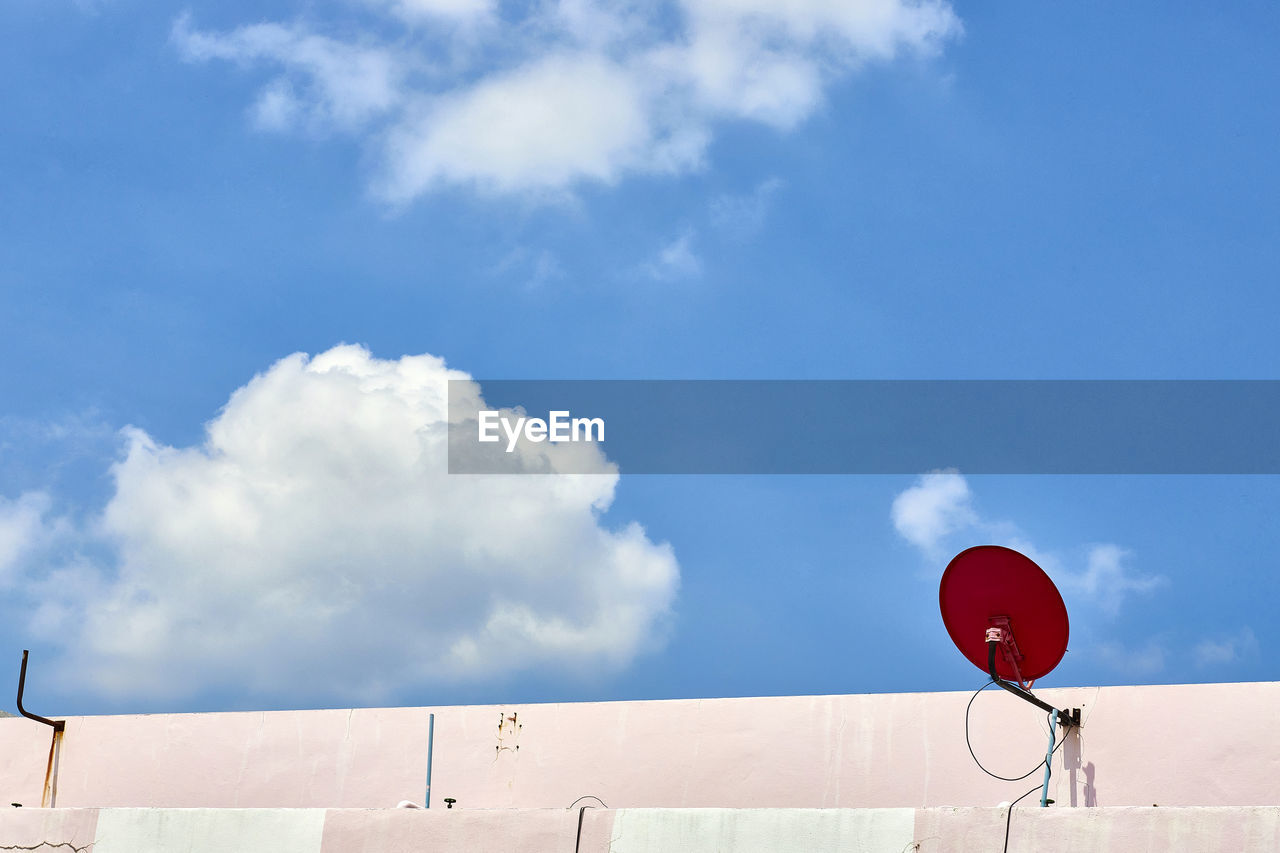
[
  {"x": 58, "y": 725},
  {"x": 1066, "y": 718}
]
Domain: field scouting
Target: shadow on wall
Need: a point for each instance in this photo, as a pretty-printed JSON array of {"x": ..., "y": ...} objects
[{"x": 1071, "y": 759}]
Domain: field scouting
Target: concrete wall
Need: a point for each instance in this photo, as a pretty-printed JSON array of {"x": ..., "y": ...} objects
[
  {"x": 954, "y": 830},
  {"x": 1186, "y": 745}
]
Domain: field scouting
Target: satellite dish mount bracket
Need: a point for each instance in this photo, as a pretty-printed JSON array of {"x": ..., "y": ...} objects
[
  {"x": 1001, "y": 638},
  {"x": 1002, "y": 632}
]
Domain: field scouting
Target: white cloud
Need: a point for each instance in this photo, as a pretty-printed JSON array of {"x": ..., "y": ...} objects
[
  {"x": 741, "y": 216},
  {"x": 278, "y": 107},
  {"x": 326, "y": 82},
  {"x": 570, "y": 92},
  {"x": 938, "y": 505},
  {"x": 1221, "y": 651},
  {"x": 868, "y": 28},
  {"x": 674, "y": 261},
  {"x": 735, "y": 76},
  {"x": 315, "y": 544},
  {"x": 1106, "y": 580},
  {"x": 540, "y": 127},
  {"x": 453, "y": 11},
  {"x": 23, "y": 528}
]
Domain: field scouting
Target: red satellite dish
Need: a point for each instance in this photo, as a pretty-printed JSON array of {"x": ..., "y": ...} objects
[{"x": 994, "y": 587}]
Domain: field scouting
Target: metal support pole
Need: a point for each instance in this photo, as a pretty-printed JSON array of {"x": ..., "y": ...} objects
[{"x": 1048, "y": 759}]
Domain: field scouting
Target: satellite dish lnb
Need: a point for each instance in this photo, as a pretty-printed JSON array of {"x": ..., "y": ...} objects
[{"x": 1005, "y": 615}]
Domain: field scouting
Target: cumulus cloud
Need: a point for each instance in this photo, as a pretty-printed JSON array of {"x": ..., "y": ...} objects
[
  {"x": 938, "y": 505},
  {"x": 564, "y": 93},
  {"x": 314, "y": 543}
]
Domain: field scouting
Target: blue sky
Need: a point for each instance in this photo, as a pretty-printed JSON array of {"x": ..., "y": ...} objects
[{"x": 708, "y": 189}]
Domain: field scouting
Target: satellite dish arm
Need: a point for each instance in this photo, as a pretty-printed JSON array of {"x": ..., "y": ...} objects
[{"x": 1066, "y": 718}]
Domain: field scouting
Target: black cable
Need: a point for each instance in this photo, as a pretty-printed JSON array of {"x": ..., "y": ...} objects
[
  {"x": 577, "y": 842},
  {"x": 1009, "y": 815},
  {"x": 586, "y": 797},
  {"x": 975, "y": 757}
]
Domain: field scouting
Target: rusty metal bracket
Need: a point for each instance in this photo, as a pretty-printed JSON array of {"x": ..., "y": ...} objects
[
  {"x": 49, "y": 797},
  {"x": 58, "y": 725}
]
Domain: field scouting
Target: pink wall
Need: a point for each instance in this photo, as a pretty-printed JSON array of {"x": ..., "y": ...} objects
[{"x": 1171, "y": 745}]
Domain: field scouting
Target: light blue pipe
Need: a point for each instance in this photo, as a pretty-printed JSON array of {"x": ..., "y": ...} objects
[
  {"x": 1048, "y": 759},
  {"x": 431, "y": 738}
]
